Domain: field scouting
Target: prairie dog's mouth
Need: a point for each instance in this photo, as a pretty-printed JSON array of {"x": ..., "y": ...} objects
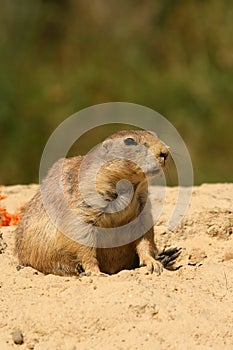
[{"x": 152, "y": 172}]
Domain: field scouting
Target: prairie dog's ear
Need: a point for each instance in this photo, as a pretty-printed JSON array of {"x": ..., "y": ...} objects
[
  {"x": 153, "y": 133},
  {"x": 107, "y": 145}
]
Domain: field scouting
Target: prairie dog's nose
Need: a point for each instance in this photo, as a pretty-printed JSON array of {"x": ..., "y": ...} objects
[{"x": 163, "y": 156}]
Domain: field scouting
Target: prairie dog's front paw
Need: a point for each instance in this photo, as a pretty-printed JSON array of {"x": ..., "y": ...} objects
[
  {"x": 98, "y": 274},
  {"x": 89, "y": 269},
  {"x": 152, "y": 265},
  {"x": 167, "y": 257}
]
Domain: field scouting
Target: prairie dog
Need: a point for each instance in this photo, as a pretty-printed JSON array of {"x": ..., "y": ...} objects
[{"x": 102, "y": 202}]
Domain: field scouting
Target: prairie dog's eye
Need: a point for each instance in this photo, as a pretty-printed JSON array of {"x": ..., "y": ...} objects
[{"x": 130, "y": 142}]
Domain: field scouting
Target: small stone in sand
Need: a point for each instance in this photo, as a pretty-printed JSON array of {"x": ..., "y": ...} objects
[{"x": 17, "y": 336}]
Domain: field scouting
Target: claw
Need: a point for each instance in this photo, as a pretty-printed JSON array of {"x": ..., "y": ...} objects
[
  {"x": 151, "y": 268},
  {"x": 168, "y": 256},
  {"x": 79, "y": 268}
]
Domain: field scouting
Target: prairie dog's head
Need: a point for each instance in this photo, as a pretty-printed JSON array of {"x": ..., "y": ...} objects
[
  {"x": 143, "y": 148},
  {"x": 121, "y": 166}
]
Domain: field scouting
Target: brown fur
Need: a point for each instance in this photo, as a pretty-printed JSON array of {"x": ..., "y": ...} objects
[{"x": 41, "y": 245}]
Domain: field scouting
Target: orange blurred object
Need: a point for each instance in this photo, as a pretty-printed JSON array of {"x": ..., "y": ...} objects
[{"x": 7, "y": 219}]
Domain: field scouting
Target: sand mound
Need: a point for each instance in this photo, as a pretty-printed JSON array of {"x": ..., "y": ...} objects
[{"x": 190, "y": 308}]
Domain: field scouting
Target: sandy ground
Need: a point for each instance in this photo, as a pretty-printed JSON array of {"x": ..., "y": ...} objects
[{"x": 191, "y": 308}]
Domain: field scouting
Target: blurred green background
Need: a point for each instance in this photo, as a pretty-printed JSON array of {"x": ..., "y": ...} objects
[{"x": 57, "y": 57}]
